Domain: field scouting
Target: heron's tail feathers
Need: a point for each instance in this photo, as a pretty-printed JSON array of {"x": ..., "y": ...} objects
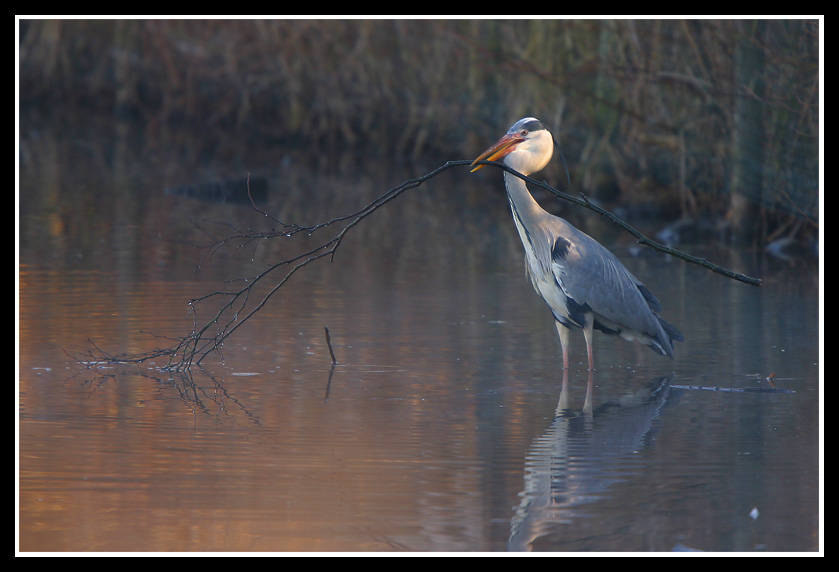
[{"x": 665, "y": 347}]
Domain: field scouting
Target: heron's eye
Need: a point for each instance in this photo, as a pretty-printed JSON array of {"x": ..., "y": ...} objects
[{"x": 523, "y": 132}]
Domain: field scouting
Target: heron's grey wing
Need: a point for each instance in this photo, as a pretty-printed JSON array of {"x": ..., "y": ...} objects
[{"x": 595, "y": 280}]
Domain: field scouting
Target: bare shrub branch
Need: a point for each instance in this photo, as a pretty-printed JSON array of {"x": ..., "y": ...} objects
[{"x": 236, "y": 309}]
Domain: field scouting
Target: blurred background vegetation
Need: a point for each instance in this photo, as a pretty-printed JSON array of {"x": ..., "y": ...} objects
[{"x": 698, "y": 119}]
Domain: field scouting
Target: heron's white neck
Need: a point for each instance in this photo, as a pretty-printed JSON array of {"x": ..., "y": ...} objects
[
  {"x": 520, "y": 195},
  {"x": 526, "y": 211}
]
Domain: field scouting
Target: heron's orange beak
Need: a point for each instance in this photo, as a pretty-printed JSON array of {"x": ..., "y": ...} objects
[{"x": 502, "y": 147}]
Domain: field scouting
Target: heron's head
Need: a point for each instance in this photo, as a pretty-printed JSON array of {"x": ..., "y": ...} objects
[{"x": 527, "y": 147}]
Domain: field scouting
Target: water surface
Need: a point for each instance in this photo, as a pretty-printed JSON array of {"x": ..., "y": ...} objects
[{"x": 446, "y": 424}]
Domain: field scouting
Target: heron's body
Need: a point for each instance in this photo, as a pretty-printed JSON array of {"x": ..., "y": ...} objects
[{"x": 584, "y": 284}]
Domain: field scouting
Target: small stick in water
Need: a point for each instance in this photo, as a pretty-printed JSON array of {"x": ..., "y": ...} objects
[{"x": 329, "y": 344}]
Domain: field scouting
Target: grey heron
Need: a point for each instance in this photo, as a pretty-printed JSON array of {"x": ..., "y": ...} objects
[{"x": 584, "y": 285}]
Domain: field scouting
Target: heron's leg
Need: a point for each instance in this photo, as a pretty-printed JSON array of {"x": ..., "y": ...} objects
[
  {"x": 564, "y": 341},
  {"x": 587, "y": 405},
  {"x": 588, "y": 330},
  {"x": 562, "y": 406}
]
